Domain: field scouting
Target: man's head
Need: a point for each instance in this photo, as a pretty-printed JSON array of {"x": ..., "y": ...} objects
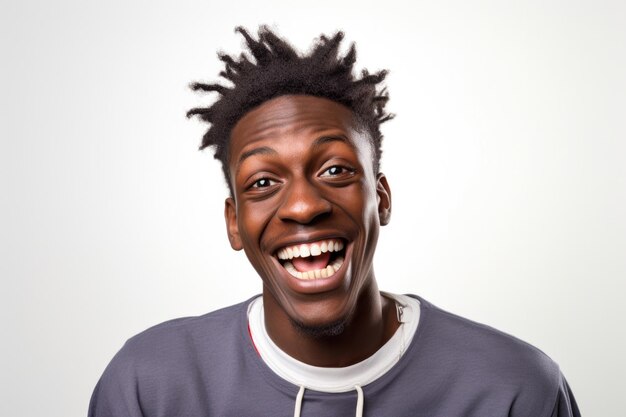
[
  {"x": 276, "y": 70},
  {"x": 299, "y": 141}
]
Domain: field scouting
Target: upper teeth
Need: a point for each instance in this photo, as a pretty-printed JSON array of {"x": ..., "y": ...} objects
[{"x": 310, "y": 249}]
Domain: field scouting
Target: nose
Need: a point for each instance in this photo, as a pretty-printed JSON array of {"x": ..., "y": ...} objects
[{"x": 303, "y": 203}]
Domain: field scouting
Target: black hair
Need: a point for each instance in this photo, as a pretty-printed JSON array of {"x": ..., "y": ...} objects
[{"x": 279, "y": 70}]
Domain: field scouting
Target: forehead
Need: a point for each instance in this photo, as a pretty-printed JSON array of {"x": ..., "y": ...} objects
[{"x": 290, "y": 114}]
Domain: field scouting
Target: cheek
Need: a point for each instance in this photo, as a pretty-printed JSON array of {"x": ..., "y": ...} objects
[
  {"x": 253, "y": 220},
  {"x": 360, "y": 202},
  {"x": 249, "y": 222},
  {"x": 369, "y": 221}
]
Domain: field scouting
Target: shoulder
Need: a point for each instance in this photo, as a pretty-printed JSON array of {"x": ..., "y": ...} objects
[
  {"x": 177, "y": 336},
  {"x": 168, "y": 360},
  {"x": 173, "y": 347},
  {"x": 179, "y": 330},
  {"x": 490, "y": 359},
  {"x": 481, "y": 344}
]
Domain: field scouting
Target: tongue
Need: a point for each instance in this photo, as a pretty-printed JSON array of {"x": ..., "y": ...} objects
[{"x": 311, "y": 263}]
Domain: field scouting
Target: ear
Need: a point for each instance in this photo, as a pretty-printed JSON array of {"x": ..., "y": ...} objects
[
  {"x": 230, "y": 215},
  {"x": 383, "y": 193}
]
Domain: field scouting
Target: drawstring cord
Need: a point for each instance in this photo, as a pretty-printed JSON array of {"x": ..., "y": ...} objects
[
  {"x": 296, "y": 412},
  {"x": 359, "y": 401}
]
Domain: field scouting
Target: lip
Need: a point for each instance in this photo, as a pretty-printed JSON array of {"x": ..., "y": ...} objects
[{"x": 318, "y": 285}]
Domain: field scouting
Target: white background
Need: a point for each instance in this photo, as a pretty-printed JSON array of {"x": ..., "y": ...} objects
[{"x": 506, "y": 162}]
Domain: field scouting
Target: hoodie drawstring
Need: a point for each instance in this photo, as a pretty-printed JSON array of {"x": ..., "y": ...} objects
[
  {"x": 296, "y": 412},
  {"x": 359, "y": 401}
]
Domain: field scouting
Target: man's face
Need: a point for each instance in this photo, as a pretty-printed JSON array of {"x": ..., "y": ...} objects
[{"x": 307, "y": 206}]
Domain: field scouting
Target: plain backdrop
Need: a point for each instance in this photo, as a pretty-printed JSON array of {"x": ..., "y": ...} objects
[{"x": 506, "y": 162}]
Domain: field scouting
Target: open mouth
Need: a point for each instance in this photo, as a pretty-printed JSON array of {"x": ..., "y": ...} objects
[{"x": 314, "y": 260}]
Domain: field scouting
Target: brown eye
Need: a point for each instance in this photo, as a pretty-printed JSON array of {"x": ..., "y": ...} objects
[
  {"x": 336, "y": 170},
  {"x": 262, "y": 183}
]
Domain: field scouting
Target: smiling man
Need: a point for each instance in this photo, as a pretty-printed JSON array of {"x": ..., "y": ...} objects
[{"x": 299, "y": 142}]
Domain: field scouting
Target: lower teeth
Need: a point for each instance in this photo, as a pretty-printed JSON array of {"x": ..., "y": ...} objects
[{"x": 318, "y": 273}]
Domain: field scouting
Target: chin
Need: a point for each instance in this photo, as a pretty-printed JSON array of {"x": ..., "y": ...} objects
[
  {"x": 327, "y": 318},
  {"x": 321, "y": 331}
]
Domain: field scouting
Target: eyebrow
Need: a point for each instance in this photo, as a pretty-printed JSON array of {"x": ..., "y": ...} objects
[
  {"x": 262, "y": 150},
  {"x": 331, "y": 138}
]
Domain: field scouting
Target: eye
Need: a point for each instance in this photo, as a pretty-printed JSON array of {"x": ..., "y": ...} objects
[
  {"x": 337, "y": 170},
  {"x": 262, "y": 183}
]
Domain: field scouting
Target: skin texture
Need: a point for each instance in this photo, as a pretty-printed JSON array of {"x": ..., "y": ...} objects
[{"x": 302, "y": 171}]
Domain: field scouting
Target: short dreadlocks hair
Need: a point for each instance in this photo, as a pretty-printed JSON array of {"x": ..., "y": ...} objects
[{"x": 279, "y": 70}]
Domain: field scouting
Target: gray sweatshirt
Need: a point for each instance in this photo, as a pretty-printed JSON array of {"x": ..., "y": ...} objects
[{"x": 207, "y": 366}]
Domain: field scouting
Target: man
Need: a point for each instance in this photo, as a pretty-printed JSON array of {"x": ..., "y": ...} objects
[{"x": 299, "y": 142}]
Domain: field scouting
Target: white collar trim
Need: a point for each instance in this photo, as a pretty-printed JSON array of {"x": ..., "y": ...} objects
[{"x": 335, "y": 379}]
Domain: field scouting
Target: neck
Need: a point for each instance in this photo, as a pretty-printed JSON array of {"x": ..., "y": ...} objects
[{"x": 372, "y": 323}]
